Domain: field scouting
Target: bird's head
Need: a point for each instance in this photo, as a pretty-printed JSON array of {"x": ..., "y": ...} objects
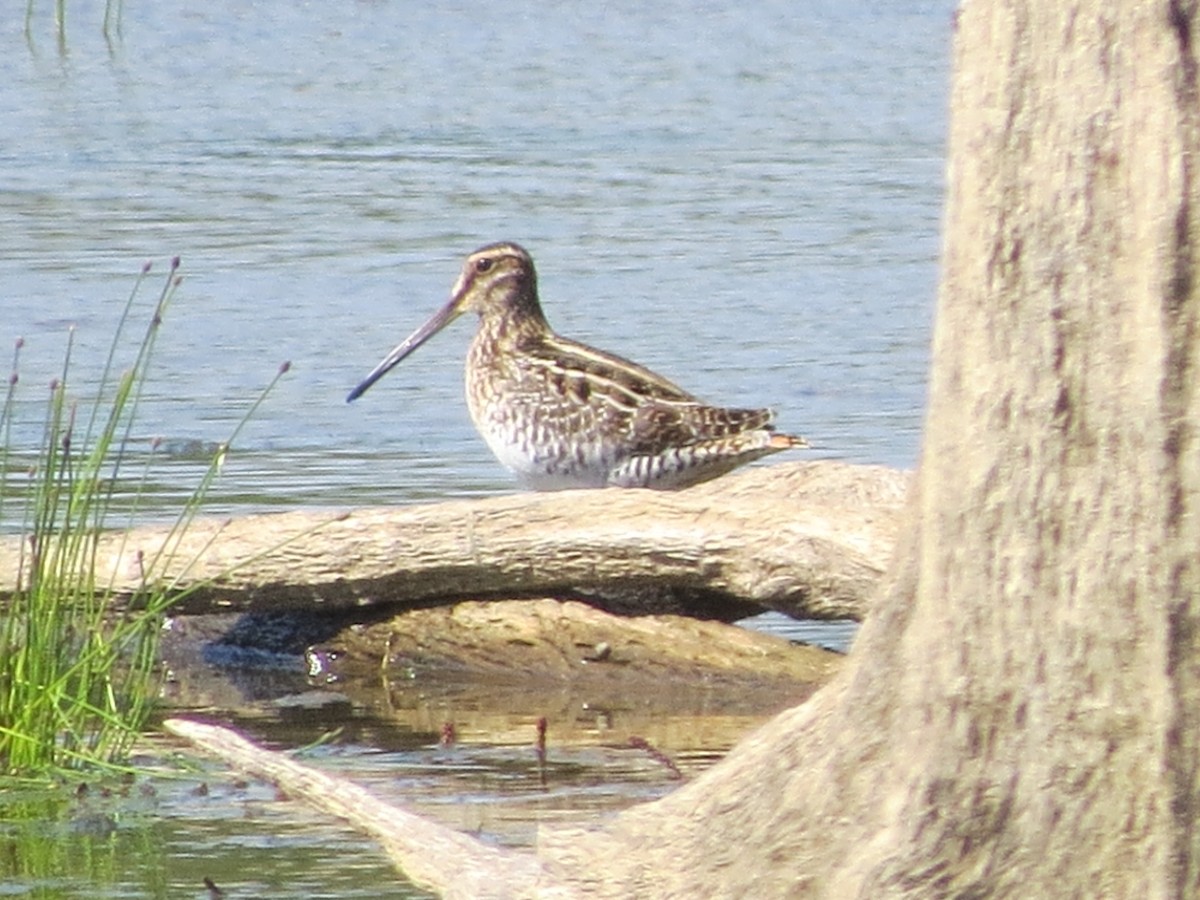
[{"x": 497, "y": 281}]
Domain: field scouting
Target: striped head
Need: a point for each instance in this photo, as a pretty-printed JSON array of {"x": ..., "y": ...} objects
[{"x": 497, "y": 281}]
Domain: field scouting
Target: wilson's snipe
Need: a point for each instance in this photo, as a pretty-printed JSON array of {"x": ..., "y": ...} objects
[{"x": 563, "y": 415}]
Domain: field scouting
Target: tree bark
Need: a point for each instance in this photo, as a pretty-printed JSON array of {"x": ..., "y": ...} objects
[
  {"x": 1020, "y": 715},
  {"x": 808, "y": 539}
]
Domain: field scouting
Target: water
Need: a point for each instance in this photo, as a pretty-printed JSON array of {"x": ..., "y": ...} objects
[{"x": 745, "y": 198}]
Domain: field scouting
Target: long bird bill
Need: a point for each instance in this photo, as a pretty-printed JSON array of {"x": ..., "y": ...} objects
[{"x": 436, "y": 323}]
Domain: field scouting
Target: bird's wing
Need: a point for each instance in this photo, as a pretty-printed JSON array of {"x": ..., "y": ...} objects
[{"x": 657, "y": 423}]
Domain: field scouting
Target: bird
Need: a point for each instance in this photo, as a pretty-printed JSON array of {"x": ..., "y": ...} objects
[{"x": 560, "y": 414}]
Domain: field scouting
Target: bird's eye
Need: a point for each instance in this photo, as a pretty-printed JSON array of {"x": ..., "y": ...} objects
[{"x": 483, "y": 265}]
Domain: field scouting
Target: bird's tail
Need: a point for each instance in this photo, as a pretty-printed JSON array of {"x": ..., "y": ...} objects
[{"x": 787, "y": 442}]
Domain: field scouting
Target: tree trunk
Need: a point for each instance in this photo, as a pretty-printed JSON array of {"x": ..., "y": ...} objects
[
  {"x": 807, "y": 539},
  {"x": 1020, "y": 716}
]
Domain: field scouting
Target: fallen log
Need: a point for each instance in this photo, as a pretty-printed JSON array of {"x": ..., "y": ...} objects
[
  {"x": 431, "y": 855},
  {"x": 570, "y": 642},
  {"x": 806, "y": 539}
]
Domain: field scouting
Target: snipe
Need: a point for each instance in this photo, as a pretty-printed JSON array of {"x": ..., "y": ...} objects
[{"x": 561, "y": 414}]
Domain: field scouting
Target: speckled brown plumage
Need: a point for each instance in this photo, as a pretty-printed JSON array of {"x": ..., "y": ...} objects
[{"x": 561, "y": 414}]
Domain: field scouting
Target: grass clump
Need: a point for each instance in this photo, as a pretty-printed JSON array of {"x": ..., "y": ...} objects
[{"x": 79, "y": 669}]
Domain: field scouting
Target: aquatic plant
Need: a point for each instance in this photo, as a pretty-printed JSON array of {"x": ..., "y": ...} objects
[
  {"x": 113, "y": 10},
  {"x": 78, "y": 663}
]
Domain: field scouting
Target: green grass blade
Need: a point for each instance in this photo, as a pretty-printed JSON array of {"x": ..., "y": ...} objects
[{"x": 79, "y": 669}]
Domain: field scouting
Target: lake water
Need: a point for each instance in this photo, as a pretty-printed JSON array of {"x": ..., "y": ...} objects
[{"x": 744, "y": 198}]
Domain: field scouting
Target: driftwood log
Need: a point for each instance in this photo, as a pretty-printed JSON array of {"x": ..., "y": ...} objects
[
  {"x": 807, "y": 539},
  {"x": 568, "y": 642},
  {"x": 431, "y": 855}
]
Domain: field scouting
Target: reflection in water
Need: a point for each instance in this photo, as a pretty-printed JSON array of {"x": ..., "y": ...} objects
[{"x": 605, "y": 748}]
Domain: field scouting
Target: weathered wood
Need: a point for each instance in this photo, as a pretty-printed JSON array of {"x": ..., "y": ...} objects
[
  {"x": 810, "y": 540},
  {"x": 564, "y": 641}
]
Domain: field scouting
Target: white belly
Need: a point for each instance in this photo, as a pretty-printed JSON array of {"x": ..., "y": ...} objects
[{"x": 548, "y": 465}]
